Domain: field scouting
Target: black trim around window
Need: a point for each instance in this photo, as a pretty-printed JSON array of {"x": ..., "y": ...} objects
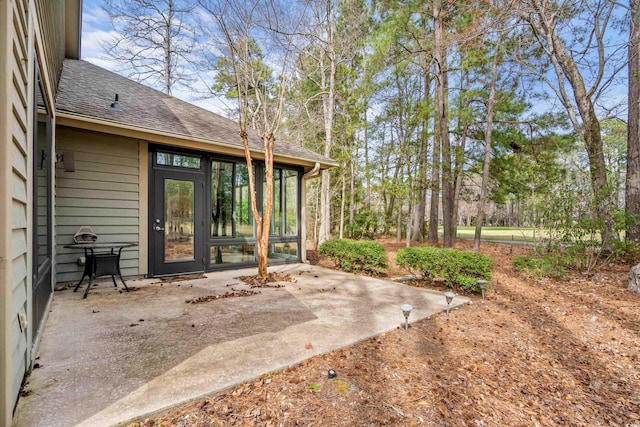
[{"x": 236, "y": 247}]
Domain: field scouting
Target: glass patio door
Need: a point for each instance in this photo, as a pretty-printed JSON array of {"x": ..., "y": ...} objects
[{"x": 177, "y": 223}]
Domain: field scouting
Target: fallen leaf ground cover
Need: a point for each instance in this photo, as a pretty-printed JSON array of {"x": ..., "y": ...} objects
[{"x": 534, "y": 353}]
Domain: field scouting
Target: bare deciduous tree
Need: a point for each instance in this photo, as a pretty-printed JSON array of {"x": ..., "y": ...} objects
[
  {"x": 584, "y": 67},
  {"x": 153, "y": 39},
  {"x": 632, "y": 196},
  {"x": 240, "y": 23}
]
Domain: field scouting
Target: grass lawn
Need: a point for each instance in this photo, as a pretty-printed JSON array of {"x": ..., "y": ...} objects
[{"x": 509, "y": 234}]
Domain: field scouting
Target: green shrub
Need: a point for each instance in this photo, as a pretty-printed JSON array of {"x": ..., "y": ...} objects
[
  {"x": 458, "y": 268},
  {"x": 540, "y": 267},
  {"x": 626, "y": 251},
  {"x": 356, "y": 255},
  {"x": 364, "y": 225}
]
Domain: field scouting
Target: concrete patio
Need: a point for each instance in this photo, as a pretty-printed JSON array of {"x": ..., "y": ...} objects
[{"x": 118, "y": 356}]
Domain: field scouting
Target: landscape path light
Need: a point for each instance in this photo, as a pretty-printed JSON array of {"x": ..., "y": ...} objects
[
  {"x": 449, "y": 297},
  {"x": 406, "y": 310},
  {"x": 483, "y": 286}
]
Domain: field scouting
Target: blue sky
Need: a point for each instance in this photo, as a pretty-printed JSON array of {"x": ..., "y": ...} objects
[{"x": 97, "y": 28}]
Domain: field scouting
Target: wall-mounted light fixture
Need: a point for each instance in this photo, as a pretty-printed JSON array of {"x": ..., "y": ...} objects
[
  {"x": 66, "y": 161},
  {"x": 116, "y": 105}
]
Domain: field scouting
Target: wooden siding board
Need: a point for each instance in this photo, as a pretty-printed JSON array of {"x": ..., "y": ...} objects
[
  {"x": 101, "y": 230},
  {"x": 18, "y": 244},
  {"x": 18, "y": 214},
  {"x": 19, "y": 296},
  {"x": 98, "y": 176},
  {"x": 20, "y": 115},
  {"x": 107, "y": 159},
  {"x": 20, "y": 107},
  {"x": 19, "y": 361},
  {"x": 20, "y": 18},
  {"x": 103, "y": 226},
  {"x": 110, "y": 154},
  {"x": 19, "y": 188},
  {"x": 19, "y": 63},
  {"x": 97, "y": 185},
  {"x": 19, "y": 135},
  {"x": 114, "y": 168},
  {"x": 16, "y": 335},
  {"x": 19, "y": 160},
  {"x": 91, "y": 212},
  {"x": 108, "y": 238},
  {"x": 94, "y": 203},
  {"x": 95, "y": 143},
  {"x": 105, "y": 195}
]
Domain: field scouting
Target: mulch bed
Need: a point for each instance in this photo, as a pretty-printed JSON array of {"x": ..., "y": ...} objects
[
  {"x": 536, "y": 352},
  {"x": 273, "y": 280}
]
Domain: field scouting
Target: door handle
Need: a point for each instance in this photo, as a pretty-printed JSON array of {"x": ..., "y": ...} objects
[{"x": 158, "y": 228}]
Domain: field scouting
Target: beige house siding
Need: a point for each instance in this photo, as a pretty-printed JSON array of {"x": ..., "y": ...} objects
[
  {"x": 20, "y": 193},
  {"x": 103, "y": 192},
  {"x": 15, "y": 53}
]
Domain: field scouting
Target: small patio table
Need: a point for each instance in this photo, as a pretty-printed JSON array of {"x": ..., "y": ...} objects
[{"x": 100, "y": 263}]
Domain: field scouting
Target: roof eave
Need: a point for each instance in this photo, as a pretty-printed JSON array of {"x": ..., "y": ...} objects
[
  {"x": 80, "y": 121},
  {"x": 72, "y": 28}
]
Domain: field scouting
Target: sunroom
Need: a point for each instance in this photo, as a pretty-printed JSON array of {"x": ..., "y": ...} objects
[{"x": 168, "y": 176}]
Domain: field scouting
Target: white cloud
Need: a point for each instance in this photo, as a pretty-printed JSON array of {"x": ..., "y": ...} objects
[
  {"x": 93, "y": 15},
  {"x": 91, "y": 43}
]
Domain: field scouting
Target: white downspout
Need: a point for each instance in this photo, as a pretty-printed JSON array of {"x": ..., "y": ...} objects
[{"x": 303, "y": 210}]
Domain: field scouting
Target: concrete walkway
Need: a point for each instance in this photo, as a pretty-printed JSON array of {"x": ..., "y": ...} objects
[{"x": 118, "y": 356}]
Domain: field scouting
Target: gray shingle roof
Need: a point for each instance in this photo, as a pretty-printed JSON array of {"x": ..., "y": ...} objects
[{"x": 89, "y": 90}]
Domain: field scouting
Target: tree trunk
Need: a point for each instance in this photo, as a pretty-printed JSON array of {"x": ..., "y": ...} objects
[
  {"x": 262, "y": 221},
  {"x": 632, "y": 193},
  {"x": 167, "y": 48},
  {"x": 352, "y": 185},
  {"x": 399, "y": 224},
  {"x": 634, "y": 279},
  {"x": 423, "y": 185},
  {"x": 442, "y": 128},
  {"x": 328, "y": 106},
  {"x": 263, "y": 238},
  {"x": 342, "y": 199},
  {"x": 417, "y": 229},
  {"x": 460, "y": 153},
  {"x": 324, "y": 230},
  {"x": 316, "y": 221},
  {"x": 409, "y": 220},
  {"x": 434, "y": 208},
  {"x": 367, "y": 174},
  {"x": 589, "y": 130},
  {"x": 487, "y": 150}
]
